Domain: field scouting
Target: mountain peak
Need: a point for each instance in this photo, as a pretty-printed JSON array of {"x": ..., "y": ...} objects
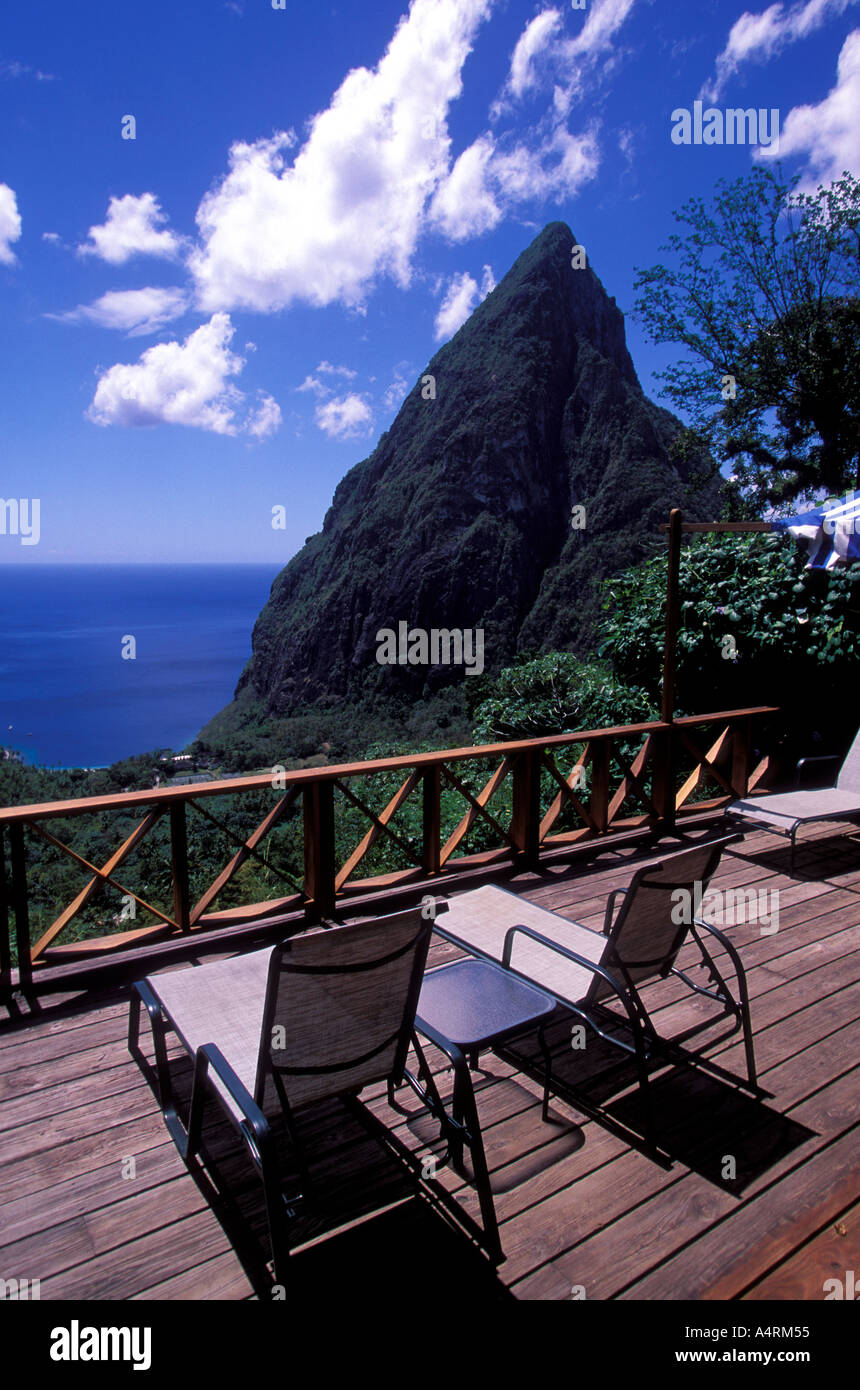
[
  {"x": 549, "y": 294},
  {"x": 460, "y": 518}
]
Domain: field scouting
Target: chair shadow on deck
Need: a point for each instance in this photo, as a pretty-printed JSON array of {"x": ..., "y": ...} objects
[
  {"x": 368, "y": 1228},
  {"x": 817, "y": 858},
  {"x": 713, "y": 1128},
  {"x": 546, "y": 1144}
]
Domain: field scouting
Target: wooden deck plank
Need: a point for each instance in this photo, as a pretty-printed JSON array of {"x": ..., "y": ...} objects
[
  {"x": 828, "y": 1255},
  {"x": 687, "y": 1205},
  {"x": 755, "y": 1238},
  {"x": 576, "y": 1203}
]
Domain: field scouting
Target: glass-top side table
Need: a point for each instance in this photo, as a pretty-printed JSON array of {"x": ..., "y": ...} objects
[{"x": 465, "y": 1008}]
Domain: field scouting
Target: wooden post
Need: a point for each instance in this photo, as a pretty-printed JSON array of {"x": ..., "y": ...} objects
[
  {"x": 5, "y": 942},
  {"x": 741, "y": 751},
  {"x": 179, "y": 865},
  {"x": 525, "y": 821},
  {"x": 665, "y": 761},
  {"x": 663, "y": 786},
  {"x": 431, "y": 788},
  {"x": 18, "y": 859},
  {"x": 319, "y": 885},
  {"x": 599, "y": 805},
  {"x": 676, "y": 520}
]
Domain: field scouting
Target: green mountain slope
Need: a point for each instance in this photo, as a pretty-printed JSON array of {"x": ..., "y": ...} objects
[{"x": 461, "y": 517}]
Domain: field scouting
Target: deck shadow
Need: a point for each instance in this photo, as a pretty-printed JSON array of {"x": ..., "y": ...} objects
[
  {"x": 365, "y": 1210},
  {"x": 816, "y": 860},
  {"x": 727, "y": 1136},
  {"x": 700, "y": 1120}
]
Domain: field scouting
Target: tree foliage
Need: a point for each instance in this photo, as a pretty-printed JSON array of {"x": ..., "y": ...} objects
[
  {"x": 756, "y": 627},
  {"x": 555, "y": 694},
  {"x": 764, "y": 294}
]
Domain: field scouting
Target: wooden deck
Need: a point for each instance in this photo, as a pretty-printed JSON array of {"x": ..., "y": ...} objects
[{"x": 95, "y": 1202}]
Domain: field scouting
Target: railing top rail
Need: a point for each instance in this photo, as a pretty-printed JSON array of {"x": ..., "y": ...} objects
[{"x": 235, "y": 785}]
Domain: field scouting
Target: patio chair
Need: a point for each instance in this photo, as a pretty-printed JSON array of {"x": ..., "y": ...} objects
[
  {"x": 321, "y": 1015},
  {"x": 785, "y": 812},
  {"x": 585, "y": 969}
]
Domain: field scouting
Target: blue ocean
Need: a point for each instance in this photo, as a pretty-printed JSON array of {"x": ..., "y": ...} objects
[{"x": 67, "y": 696}]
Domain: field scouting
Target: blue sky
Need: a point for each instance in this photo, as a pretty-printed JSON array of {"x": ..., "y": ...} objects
[{"x": 221, "y": 315}]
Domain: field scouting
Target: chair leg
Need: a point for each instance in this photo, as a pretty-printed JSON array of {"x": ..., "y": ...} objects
[
  {"x": 743, "y": 1006},
  {"x": 275, "y": 1215},
  {"x": 645, "y": 1095},
  {"x": 547, "y": 1061},
  {"x": 142, "y": 994}
]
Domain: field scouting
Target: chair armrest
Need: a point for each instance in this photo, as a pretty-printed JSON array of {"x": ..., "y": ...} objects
[
  {"x": 619, "y": 990},
  {"x": 610, "y": 908},
  {"x": 807, "y": 762},
  {"x": 254, "y": 1124},
  {"x": 559, "y": 950},
  {"x": 451, "y": 1050},
  {"x": 732, "y": 952}
]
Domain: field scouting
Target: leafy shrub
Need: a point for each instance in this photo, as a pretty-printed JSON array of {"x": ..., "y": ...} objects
[
  {"x": 555, "y": 694},
  {"x": 756, "y": 627}
]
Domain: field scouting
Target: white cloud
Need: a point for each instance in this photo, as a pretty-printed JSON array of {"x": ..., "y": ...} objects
[
  {"x": 604, "y": 20},
  {"x": 134, "y": 227},
  {"x": 559, "y": 166},
  {"x": 478, "y": 193},
  {"x": 546, "y": 160},
  {"x": 350, "y": 205},
  {"x": 322, "y": 388},
  {"x": 346, "y": 417},
  {"x": 183, "y": 384},
  {"x": 396, "y": 393},
  {"x": 10, "y": 224},
  {"x": 11, "y": 68},
  {"x": 331, "y": 370},
  {"x": 464, "y": 204},
  {"x": 461, "y": 298},
  {"x": 532, "y": 42},
  {"x": 758, "y": 37},
  {"x": 267, "y": 418},
  {"x": 827, "y": 134},
  {"x": 313, "y": 383},
  {"x": 567, "y": 60},
  {"x": 134, "y": 312}
]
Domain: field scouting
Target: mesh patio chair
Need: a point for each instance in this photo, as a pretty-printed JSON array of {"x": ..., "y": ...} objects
[
  {"x": 785, "y": 812},
  {"x": 320, "y": 1015},
  {"x": 584, "y": 969}
]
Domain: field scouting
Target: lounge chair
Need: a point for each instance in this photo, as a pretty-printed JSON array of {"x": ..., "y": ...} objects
[
  {"x": 785, "y": 812},
  {"x": 321, "y": 1015},
  {"x": 585, "y": 969}
]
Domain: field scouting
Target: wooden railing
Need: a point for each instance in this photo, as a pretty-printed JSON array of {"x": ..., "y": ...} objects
[{"x": 613, "y": 782}]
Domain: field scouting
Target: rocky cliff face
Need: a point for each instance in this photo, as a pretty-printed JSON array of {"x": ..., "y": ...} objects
[{"x": 461, "y": 517}]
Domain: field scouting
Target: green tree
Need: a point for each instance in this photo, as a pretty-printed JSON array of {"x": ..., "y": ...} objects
[{"x": 764, "y": 298}]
